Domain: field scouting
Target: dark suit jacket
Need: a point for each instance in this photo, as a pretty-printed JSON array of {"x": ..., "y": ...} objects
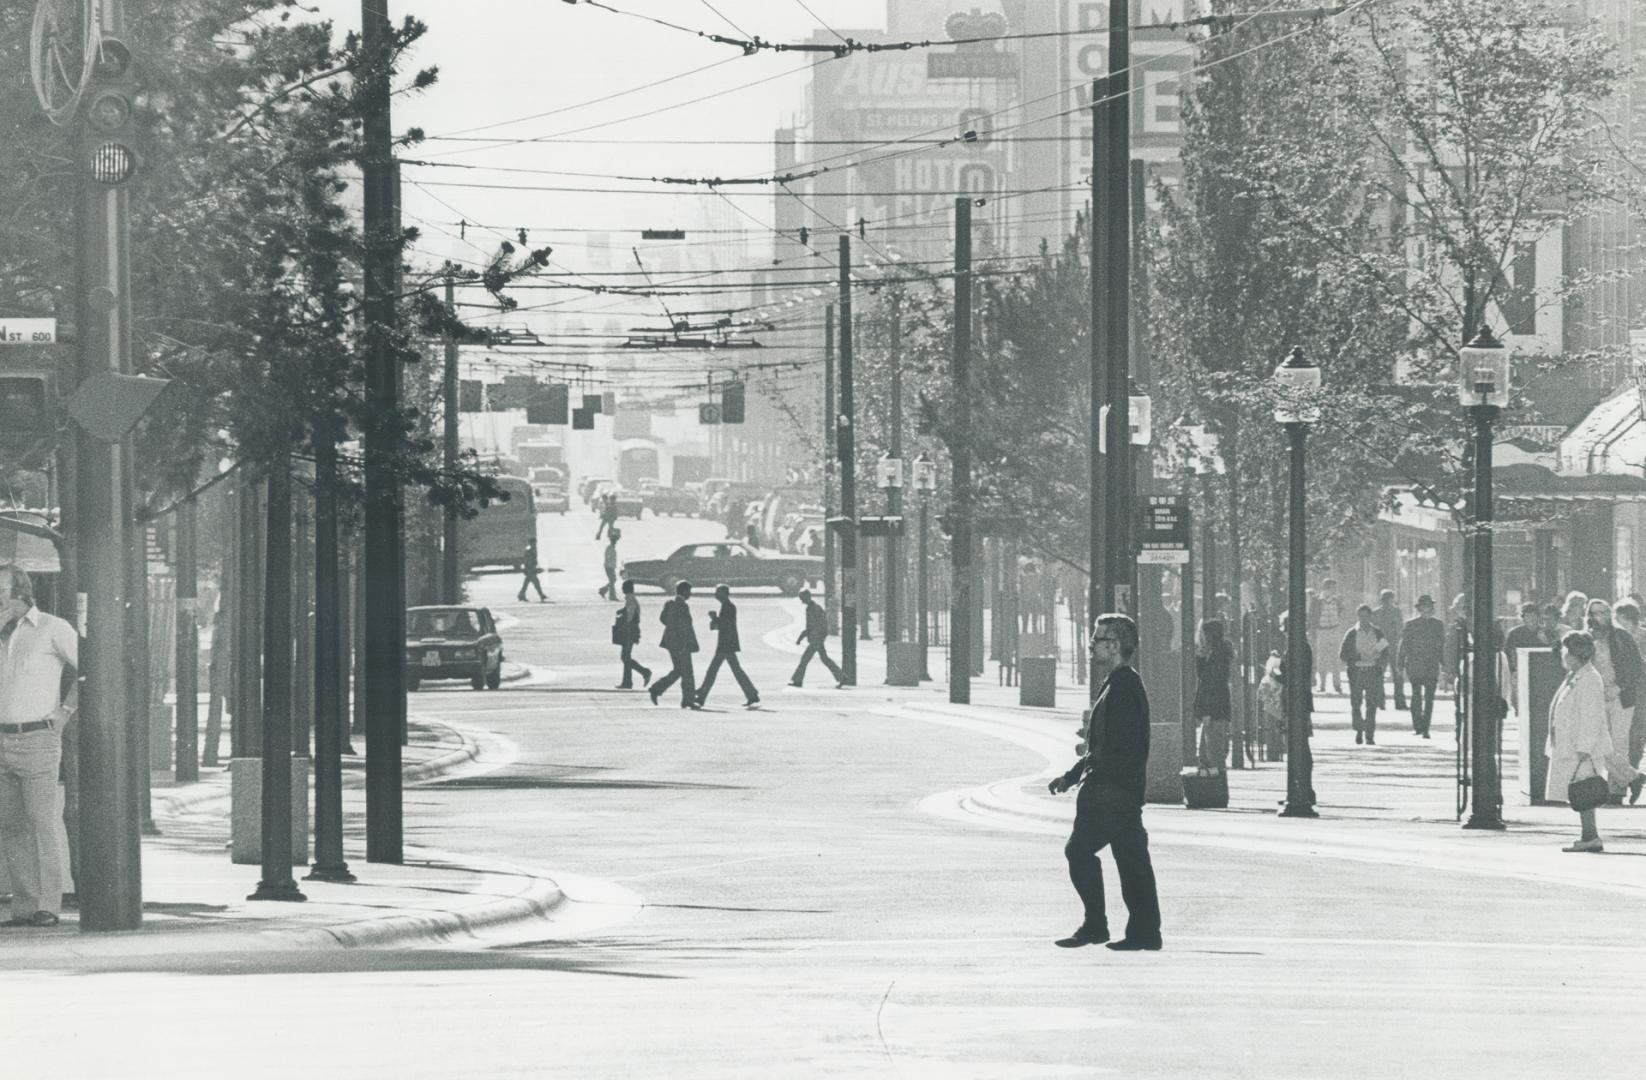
[
  {"x": 817, "y": 623},
  {"x": 678, "y": 635},
  {"x": 725, "y": 622},
  {"x": 1422, "y": 644},
  {"x": 1118, "y": 737},
  {"x": 1626, "y": 665}
]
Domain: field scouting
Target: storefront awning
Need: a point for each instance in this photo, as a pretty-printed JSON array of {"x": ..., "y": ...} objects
[{"x": 1610, "y": 440}]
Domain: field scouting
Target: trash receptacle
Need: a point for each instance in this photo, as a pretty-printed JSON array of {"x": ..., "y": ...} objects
[
  {"x": 905, "y": 663},
  {"x": 1037, "y": 681}
]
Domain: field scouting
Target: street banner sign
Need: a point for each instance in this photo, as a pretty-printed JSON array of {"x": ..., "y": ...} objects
[
  {"x": 28, "y": 331},
  {"x": 1166, "y": 530}
]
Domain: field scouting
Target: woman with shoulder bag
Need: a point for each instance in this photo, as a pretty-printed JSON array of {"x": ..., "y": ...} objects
[
  {"x": 626, "y": 635},
  {"x": 1580, "y": 742}
]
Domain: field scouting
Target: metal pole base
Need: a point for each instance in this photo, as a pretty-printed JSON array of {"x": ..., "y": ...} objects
[
  {"x": 278, "y": 890},
  {"x": 149, "y": 828},
  {"x": 338, "y": 874},
  {"x": 1485, "y": 821},
  {"x": 1299, "y": 810}
]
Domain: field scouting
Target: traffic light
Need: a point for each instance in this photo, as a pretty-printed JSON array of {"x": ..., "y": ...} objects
[
  {"x": 23, "y": 401},
  {"x": 471, "y": 396},
  {"x": 548, "y": 404},
  {"x": 731, "y": 403},
  {"x": 593, "y": 403},
  {"x": 708, "y": 414},
  {"x": 108, "y": 129},
  {"x": 582, "y": 420}
]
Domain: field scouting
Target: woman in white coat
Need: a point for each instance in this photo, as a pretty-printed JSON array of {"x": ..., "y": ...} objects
[{"x": 1580, "y": 742}]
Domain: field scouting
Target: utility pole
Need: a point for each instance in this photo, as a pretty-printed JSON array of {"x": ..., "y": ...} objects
[
  {"x": 328, "y": 667},
  {"x": 188, "y": 645},
  {"x": 275, "y": 841},
  {"x": 383, "y": 674},
  {"x": 846, "y": 444},
  {"x": 960, "y": 457},
  {"x": 448, "y": 545},
  {"x": 894, "y": 494},
  {"x": 831, "y": 593},
  {"x": 1113, "y": 566},
  {"x": 110, "y": 884}
]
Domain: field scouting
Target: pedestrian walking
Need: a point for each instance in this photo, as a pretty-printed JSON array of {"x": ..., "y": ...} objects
[
  {"x": 609, "y": 590},
  {"x": 1455, "y": 645},
  {"x": 679, "y": 641},
  {"x": 1627, "y": 615},
  {"x": 1328, "y": 628},
  {"x": 1109, "y": 808},
  {"x": 1364, "y": 652},
  {"x": 1580, "y": 744},
  {"x": 726, "y": 648},
  {"x": 530, "y": 568},
  {"x": 815, "y": 635},
  {"x": 608, "y": 513},
  {"x": 36, "y": 650},
  {"x": 1387, "y": 618},
  {"x": 1619, "y": 664},
  {"x": 626, "y": 635},
  {"x": 1213, "y": 707},
  {"x": 1422, "y": 649}
]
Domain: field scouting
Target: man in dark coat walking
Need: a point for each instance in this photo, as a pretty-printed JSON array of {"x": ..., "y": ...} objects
[
  {"x": 816, "y": 637},
  {"x": 679, "y": 641},
  {"x": 1422, "y": 643},
  {"x": 1386, "y": 617},
  {"x": 1109, "y": 809},
  {"x": 726, "y": 646},
  {"x": 530, "y": 567}
]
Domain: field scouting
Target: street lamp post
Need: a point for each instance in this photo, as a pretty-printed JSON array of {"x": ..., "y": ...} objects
[
  {"x": 1483, "y": 389},
  {"x": 1297, "y": 378},
  {"x": 890, "y": 476},
  {"x": 924, "y": 481}
]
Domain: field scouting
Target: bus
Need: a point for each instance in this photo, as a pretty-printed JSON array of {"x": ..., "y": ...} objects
[{"x": 497, "y": 536}]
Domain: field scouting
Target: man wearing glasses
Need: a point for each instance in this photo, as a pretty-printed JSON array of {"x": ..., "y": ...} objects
[{"x": 1109, "y": 808}]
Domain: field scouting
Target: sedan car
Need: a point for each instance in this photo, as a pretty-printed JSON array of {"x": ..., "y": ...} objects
[
  {"x": 662, "y": 500},
  {"x": 453, "y": 643},
  {"x": 729, "y": 562},
  {"x": 629, "y": 503}
]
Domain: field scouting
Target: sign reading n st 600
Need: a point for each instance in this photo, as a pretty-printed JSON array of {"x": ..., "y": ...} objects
[{"x": 28, "y": 331}]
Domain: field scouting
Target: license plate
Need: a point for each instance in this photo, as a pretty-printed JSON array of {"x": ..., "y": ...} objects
[{"x": 431, "y": 659}]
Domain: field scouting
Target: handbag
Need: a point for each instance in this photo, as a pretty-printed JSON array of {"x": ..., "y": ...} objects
[
  {"x": 620, "y": 630},
  {"x": 1588, "y": 793}
]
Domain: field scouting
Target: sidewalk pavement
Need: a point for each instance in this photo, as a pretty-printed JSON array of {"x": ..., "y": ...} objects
[{"x": 195, "y": 899}]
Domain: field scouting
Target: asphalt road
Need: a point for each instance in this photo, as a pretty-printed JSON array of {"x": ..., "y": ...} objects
[{"x": 762, "y": 893}]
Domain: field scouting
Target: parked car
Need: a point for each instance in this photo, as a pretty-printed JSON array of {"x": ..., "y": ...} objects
[
  {"x": 587, "y": 486},
  {"x": 629, "y": 503},
  {"x": 731, "y": 562},
  {"x": 662, "y": 500},
  {"x": 453, "y": 643}
]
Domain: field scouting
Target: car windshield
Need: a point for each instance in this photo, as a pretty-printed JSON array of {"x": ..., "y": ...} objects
[{"x": 439, "y": 623}]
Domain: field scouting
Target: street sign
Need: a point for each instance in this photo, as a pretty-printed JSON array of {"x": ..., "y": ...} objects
[
  {"x": 889, "y": 525},
  {"x": 28, "y": 331},
  {"x": 1166, "y": 530}
]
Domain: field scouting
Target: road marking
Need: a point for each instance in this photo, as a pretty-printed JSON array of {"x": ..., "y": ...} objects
[{"x": 717, "y": 865}]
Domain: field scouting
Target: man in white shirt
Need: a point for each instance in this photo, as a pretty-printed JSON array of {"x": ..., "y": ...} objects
[{"x": 35, "y": 651}]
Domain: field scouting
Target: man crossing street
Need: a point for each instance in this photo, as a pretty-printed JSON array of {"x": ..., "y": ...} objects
[
  {"x": 679, "y": 641},
  {"x": 816, "y": 637},
  {"x": 724, "y": 623}
]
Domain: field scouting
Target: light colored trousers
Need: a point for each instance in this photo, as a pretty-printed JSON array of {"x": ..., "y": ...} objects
[
  {"x": 32, "y": 835},
  {"x": 1618, "y": 720}
]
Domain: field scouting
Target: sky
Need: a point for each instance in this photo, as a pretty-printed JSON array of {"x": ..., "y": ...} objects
[{"x": 505, "y": 65}]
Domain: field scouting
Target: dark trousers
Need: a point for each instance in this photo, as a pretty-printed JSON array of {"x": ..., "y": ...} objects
[
  {"x": 1107, "y": 818},
  {"x": 629, "y": 667},
  {"x": 1365, "y": 694},
  {"x": 682, "y": 671},
  {"x": 750, "y": 694},
  {"x": 531, "y": 581},
  {"x": 1423, "y": 703},
  {"x": 820, "y": 650},
  {"x": 1400, "y": 683}
]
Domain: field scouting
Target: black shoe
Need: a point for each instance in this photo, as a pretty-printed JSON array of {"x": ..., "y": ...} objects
[
  {"x": 751, "y": 703},
  {"x": 646, "y": 675},
  {"x": 796, "y": 682},
  {"x": 39, "y": 918},
  {"x": 1135, "y": 945},
  {"x": 1083, "y": 935},
  {"x": 1359, "y": 738},
  {"x": 692, "y": 705},
  {"x": 1425, "y": 734},
  {"x": 1370, "y": 741},
  {"x": 653, "y": 695}
]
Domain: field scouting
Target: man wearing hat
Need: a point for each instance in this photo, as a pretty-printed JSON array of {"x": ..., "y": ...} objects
[
  {"x": 815, "y": 636},
  {"x": 1422, "y": 641}
]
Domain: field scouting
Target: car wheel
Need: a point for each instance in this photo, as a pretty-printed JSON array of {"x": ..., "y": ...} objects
[
  {"x": 791, "y": 584},
  {"x": 477, "y": 682},
  {"x": 495, "y": 678}
]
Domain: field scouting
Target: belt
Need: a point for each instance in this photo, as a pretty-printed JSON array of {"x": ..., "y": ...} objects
[{"x": 23, "y": 729}]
